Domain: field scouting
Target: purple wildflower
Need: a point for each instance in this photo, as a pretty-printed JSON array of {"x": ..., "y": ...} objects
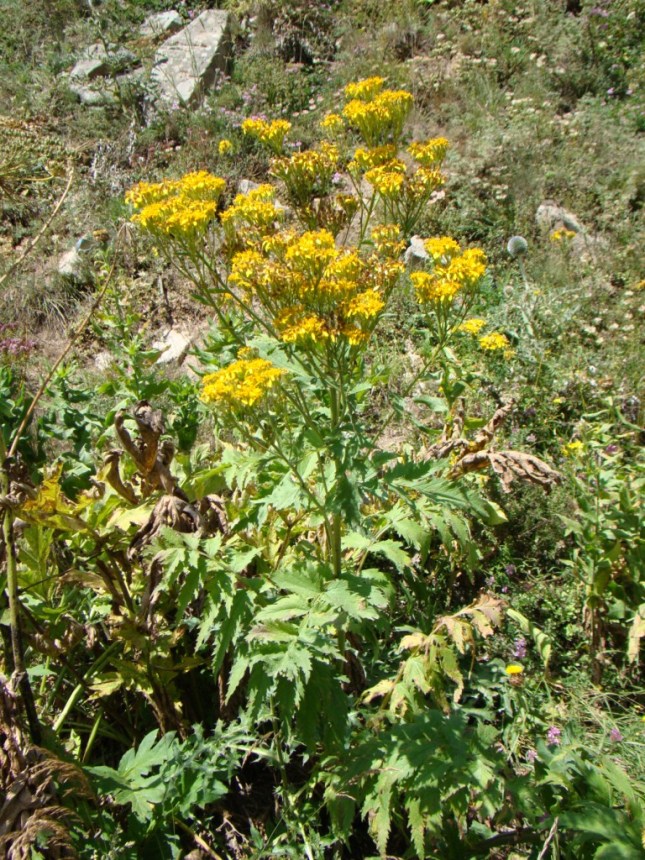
[
  {"x": 553, "y": 736},
  {"x": 519, "y": 647},
  {"x": 531, "y": 755},
  {"x": 510, "y": 570},
  {"x": 615, "y": 735}
]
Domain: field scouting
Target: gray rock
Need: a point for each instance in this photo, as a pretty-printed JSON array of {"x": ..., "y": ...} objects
[
  {"x": 174, "y": 345},
  {"x": 551, "y": 216},
  {"x": 93, "y": 97},
  {"x": 246, "y": 185},
  {"x": 97, "y": 62},
  {"x": 186, "y": 64},
  {"x": 416, "y": 255},
  {"x": 160, "y": 24}
]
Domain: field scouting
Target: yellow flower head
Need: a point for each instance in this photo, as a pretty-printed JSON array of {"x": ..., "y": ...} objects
[
  {"x": 181, "y": 207},
  {"x": 442, "y": 248},
  {"x": 271, "y": 134},
  {"x": 387, "y": 240},
  {"x": 312, "y": 252},
  {"x": 472, "y": 326},
  {"x": 242, "y": 383},
  {"x": 366, "y": 305},
  {"x": 364, "y": 90},
  {"x": 562, "y": 235},
  {"x": 332, "y": 122},
  {"x": 514, "y": 669},
  {"x": 572, "y": 449},
  {"x": 494, "y": 341},
  {"x": 431, "y": 288},
  {"x": 296, "y": 325},
  {"x": 375, "y": 156},
  {"x": 430, "y": 153},
  {"x": 225, "y": 147},
  {"x": 255, "y": 209},
  {"x": 387, "y": 180}
]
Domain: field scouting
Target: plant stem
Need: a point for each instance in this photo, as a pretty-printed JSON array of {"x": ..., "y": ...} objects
[{"x": 17, "y": 653}]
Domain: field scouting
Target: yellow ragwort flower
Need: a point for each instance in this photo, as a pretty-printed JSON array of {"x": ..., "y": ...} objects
[
  {"x": 430, "y": 153},
  {"x": 272, "y": 134},
  {"x": 572, "y": 449},
  {"x": 387, "y": 180},
  {"x": 365, "y": 89},
  {"x": 387, "y": 240},
  {"x": 225, "y": 147},
  {"x": 242, "y": 383},
  {"x": 434, "y": 288},
  {"x": 472, "y": 326},
  {"x": 332, "y": 122},
  {"x": 494, "y": 341},
  {"x": 182, "y": 207},
  {"x": 562, "y": 235},
  {"x": 375, "y": 156},
  {"x": 442, "y": 248},
  {"x": 367, "y": 304}
]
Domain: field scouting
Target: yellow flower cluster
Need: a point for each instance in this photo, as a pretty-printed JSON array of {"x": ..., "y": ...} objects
[
  {"x": 572, "y": 449},
  {"x": 380, "y": 118},
  {"x": 367, "y": 305},
  {"x": 494, "y": 341},
  {"x": 364, "y": 90},
  {"x": 430, "y": 153},
  {"x": 375, "y": 156},
  {"x": 442, "y": 248},
  {"x": 388, "y": 241},
  {"x": 312, "y": 291},
  {"x": 461, "y": 272},
  {"x": 271, "y": 134},
  {"x": 225, "y": 147},
  {"x": 387, "y": 180},
  {"x": 472, "y": 326},
  {"x": 308, "y": 173},
  {"x": 242, "y": 383},
  {"x": 562, "y": 235},
  {"x": 311, "y": 253},
  {"x": 332, "y": 122},
  {"x": 251, "y": 215},
  {"x": 181, "y": 208}
]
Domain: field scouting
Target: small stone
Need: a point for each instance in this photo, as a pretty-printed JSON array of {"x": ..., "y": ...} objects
[
  {"x": 161, "y": 24},
  {"x": 416, "y": 255},
  {"x": 174, "y": 345}
]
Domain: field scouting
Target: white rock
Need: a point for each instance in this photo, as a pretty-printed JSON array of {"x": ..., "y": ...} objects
[
  {"x": 186, "y": 64},
  {"x": 416, "y": 255},
  {"x": 174, "y": 345},
  {"x": 161, "y": 23}
]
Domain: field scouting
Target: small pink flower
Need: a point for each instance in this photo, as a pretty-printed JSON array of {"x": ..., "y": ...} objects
[
  {"x": 615, "y": 735},
  {"x": 554, "y": 736}
]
